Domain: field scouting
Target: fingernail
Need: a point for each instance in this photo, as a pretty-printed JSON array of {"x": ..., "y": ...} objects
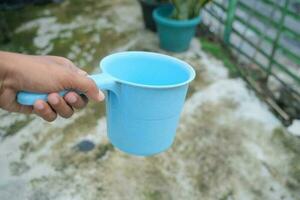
[
  {"x": 55, "y": 100},
  {"x": 72, "y": 99},
  {"x": 39, "y": 106},
  {"x": 101, "y": 96}
]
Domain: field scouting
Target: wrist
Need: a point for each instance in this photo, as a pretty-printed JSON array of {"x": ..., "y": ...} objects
[
  {"x": 6, "y": 67},
  {"x": 4, "y": 63}
]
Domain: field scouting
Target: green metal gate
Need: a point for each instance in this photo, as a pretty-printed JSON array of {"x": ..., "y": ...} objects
[{"x": 265, "y": 34}]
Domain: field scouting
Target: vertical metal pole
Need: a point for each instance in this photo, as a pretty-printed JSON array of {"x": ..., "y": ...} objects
[
  {"x": 229, "y": 21},
  {"x": 278, "y": 34}
]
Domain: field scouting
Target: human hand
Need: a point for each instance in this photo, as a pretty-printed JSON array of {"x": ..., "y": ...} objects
[{"x": 45, "y": 74}]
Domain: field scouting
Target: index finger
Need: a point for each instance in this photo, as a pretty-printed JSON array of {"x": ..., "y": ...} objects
[{"x": 88, "y": 86}]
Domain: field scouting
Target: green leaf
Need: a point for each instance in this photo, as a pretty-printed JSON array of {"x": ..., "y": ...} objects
[{"x": 187, "y": 9}]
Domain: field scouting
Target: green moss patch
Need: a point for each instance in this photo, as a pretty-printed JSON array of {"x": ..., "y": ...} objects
[
  {"x": 221, "y": 53},
  {"x": 17, "y": 126},
  {"x": 292, "y": 145}
]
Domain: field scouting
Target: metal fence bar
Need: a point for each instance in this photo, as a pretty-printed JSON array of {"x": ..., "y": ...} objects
[
  {"x": 252, "y": 44},
  {"x": 285, "y": 70},
  {"x": 286, "y": 31},
  {"x": 222, "y": 7},
  {"x": 254, "y": 29},
  {"x": 261, "y": 66},
  {"x": 288, "y": 53},
  {"x": 262, "y": 17},
  {"x": 219, "y": 19},
  {"x": 275, "y": 29},
  {"x": 291, "y": 32},
  {"x": 281, "y": 9},
  {"x": 279, "y": 31},
  {"x": 255, "y": 86},
  {"x": 229, "y": 21}
]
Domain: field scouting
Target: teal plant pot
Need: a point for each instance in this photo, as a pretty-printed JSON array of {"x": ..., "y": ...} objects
[{"x": 174, "y": 35}]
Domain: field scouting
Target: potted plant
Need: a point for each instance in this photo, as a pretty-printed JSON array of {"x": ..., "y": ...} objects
[
  {"x": 148, "y": 6},
  {"x": 176, "y": 24}
]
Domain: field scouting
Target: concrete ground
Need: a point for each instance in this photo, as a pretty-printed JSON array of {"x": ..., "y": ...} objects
[{"x": 228, "y": 144}]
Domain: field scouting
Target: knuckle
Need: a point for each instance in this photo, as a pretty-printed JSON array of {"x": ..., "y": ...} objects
[
  {"x": 62, "y": 59},
  {"x": 67, "y": 62},
  {"x": 66, "y": 79}
]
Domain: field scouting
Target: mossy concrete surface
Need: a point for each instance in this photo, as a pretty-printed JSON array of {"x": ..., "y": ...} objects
[{"x": 228, "y": 144}]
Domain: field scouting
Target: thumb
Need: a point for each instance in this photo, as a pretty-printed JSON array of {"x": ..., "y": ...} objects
[{"x": 88, "y": 86}]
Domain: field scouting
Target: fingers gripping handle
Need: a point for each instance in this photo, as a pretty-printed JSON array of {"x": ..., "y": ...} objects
[
  {"x": 103, "y": 82},
  {"x": 29, "y": 98}
]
